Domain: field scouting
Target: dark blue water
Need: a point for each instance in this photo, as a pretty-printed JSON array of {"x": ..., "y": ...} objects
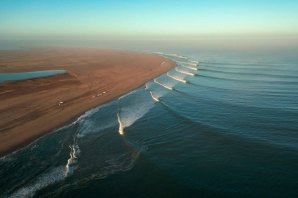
[
  {"x": 226, "y": 127},
  {"x": 4, "y": 77}
]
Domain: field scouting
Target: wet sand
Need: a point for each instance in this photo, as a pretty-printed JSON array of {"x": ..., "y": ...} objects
[{"x": 34, "y": 107}]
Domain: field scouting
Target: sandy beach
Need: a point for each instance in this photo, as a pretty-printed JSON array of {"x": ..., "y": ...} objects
[{"x": 32, "y": 108}]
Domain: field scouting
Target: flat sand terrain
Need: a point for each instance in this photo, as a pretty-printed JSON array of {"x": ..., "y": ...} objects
[{"x": 31, "y": 108}]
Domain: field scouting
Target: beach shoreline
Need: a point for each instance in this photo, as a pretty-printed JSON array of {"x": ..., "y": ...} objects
[{"x": 34, "y": 107}]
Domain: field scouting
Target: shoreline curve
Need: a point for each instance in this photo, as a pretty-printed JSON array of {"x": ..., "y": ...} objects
[{"x": 34, "y": 107}]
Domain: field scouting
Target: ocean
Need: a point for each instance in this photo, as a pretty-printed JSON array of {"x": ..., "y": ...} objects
[{"x": 220, "y": 124}]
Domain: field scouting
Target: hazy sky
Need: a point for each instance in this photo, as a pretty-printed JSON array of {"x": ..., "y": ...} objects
[{"x": 137, "y": 19}]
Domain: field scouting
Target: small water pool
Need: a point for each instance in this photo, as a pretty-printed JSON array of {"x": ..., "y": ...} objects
[{"x": 28, "y": 75}]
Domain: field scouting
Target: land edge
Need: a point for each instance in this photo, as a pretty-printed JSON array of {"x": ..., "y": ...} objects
[{"x": 18, "y": 147}]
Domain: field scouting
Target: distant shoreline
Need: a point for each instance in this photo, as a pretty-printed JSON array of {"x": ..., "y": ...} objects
[{"x": 33, "y": 107}]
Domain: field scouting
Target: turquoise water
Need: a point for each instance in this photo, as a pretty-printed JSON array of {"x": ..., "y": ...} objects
[
  {"x": 4, "y": 77},
  {"x": 223, "y": 127}
]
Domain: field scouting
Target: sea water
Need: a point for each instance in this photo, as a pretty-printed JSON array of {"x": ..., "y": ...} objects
[
  {"x": 5, "y": 77},
  {"x": 220, "y": 124}
]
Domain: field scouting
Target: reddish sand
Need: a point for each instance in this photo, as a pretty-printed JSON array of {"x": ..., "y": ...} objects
[{"x": 30, "y": 108}]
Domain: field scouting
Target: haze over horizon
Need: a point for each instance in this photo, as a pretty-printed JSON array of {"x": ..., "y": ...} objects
[{"x": 165, "y": 20}]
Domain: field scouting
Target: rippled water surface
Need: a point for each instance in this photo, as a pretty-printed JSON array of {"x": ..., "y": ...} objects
[{"x": 219, "y": 124}]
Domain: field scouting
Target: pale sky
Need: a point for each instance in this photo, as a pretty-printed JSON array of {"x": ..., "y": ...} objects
[{"x": 137, "y": 19}]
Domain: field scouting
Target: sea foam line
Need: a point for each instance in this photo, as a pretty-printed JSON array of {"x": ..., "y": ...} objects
[
  {"x": 177, "y": 55},
  {"x": 192, "y": 68},
  {"x": 184, "y": 72},
  {"x": 165, "y": 86},
  {"x": 188, "y": 63},
  {"x": 121, "y": 127},
  {"x": 153, "y": 97},
  {"x": 44, "y": 180},
  {"x": 173, "y": 77},
  {"x": 74, "y": 152},
  {"x": 132, "y": 109}
]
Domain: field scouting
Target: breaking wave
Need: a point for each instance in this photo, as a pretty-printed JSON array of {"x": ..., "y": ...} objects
[
  {"x": 192, "y": 68},
  {"x": 132, "y": 108},
  {"x": 188, "y": 63},
  {"x": 72, "y": 161},
  {"x": 165, "y": 86},
  {"x": 176, "y": 78},
  {"x": 156, "y": 99},
  {"x": 184, "y": 72}
]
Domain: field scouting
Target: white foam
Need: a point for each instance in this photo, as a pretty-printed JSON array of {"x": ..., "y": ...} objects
[
  {"x": 192, "y": 68},
  {"x": 121, "y": 128},
  {"x": 85, "y": 115},
  {"x": 92, "y": 127},
  {"x": 123, "y": 162},
  {"x": 184, "y": 72},
  {"x": 72, "y": 161},
  {"x": 133, "y": 111},
  {"x": 175, "y": 78},
  {"x": 159, "y": 53},
  {"x": 89, "y": 113},
  {"x": 128, "y": 94},
  {"x": 178, "y": 56},
  {"x": 165, "y": 86},
  {"x": 55, "y": 175},
  {"x": 153, "y": 97},
  {"x": 188, "y": 63}
]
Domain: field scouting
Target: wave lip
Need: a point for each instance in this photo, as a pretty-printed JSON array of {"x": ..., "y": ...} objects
[
  {"x": 192, "y": 68},
  {"x": 184, "y": 72},
  {"x": 153, "y": 97},
  {"x": 165, "y": 86},
  {"x": 188, "y": 63},
  {"x": 121, "y": 127},
  {"x": 175, "y": 78},
  {"x": 72, "y": 161},
  {"x": 131, "y": 108}
]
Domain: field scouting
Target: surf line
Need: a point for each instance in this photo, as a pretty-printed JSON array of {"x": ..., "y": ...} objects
[
  {"x": 178, "y": 56},
  {"x": 194, "y": 61},
  {"x": 192, "y": 68},
  {"x": 184, "y": 72},
  {"x": 165, "y": 86},
  {"x": 74, "y": 152},
  {"x": 153, "y": 97},
  {"x": 173, "y": 77},
  {"x": 121, "y": 128},
  {"x": 192, "y": 64}
]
